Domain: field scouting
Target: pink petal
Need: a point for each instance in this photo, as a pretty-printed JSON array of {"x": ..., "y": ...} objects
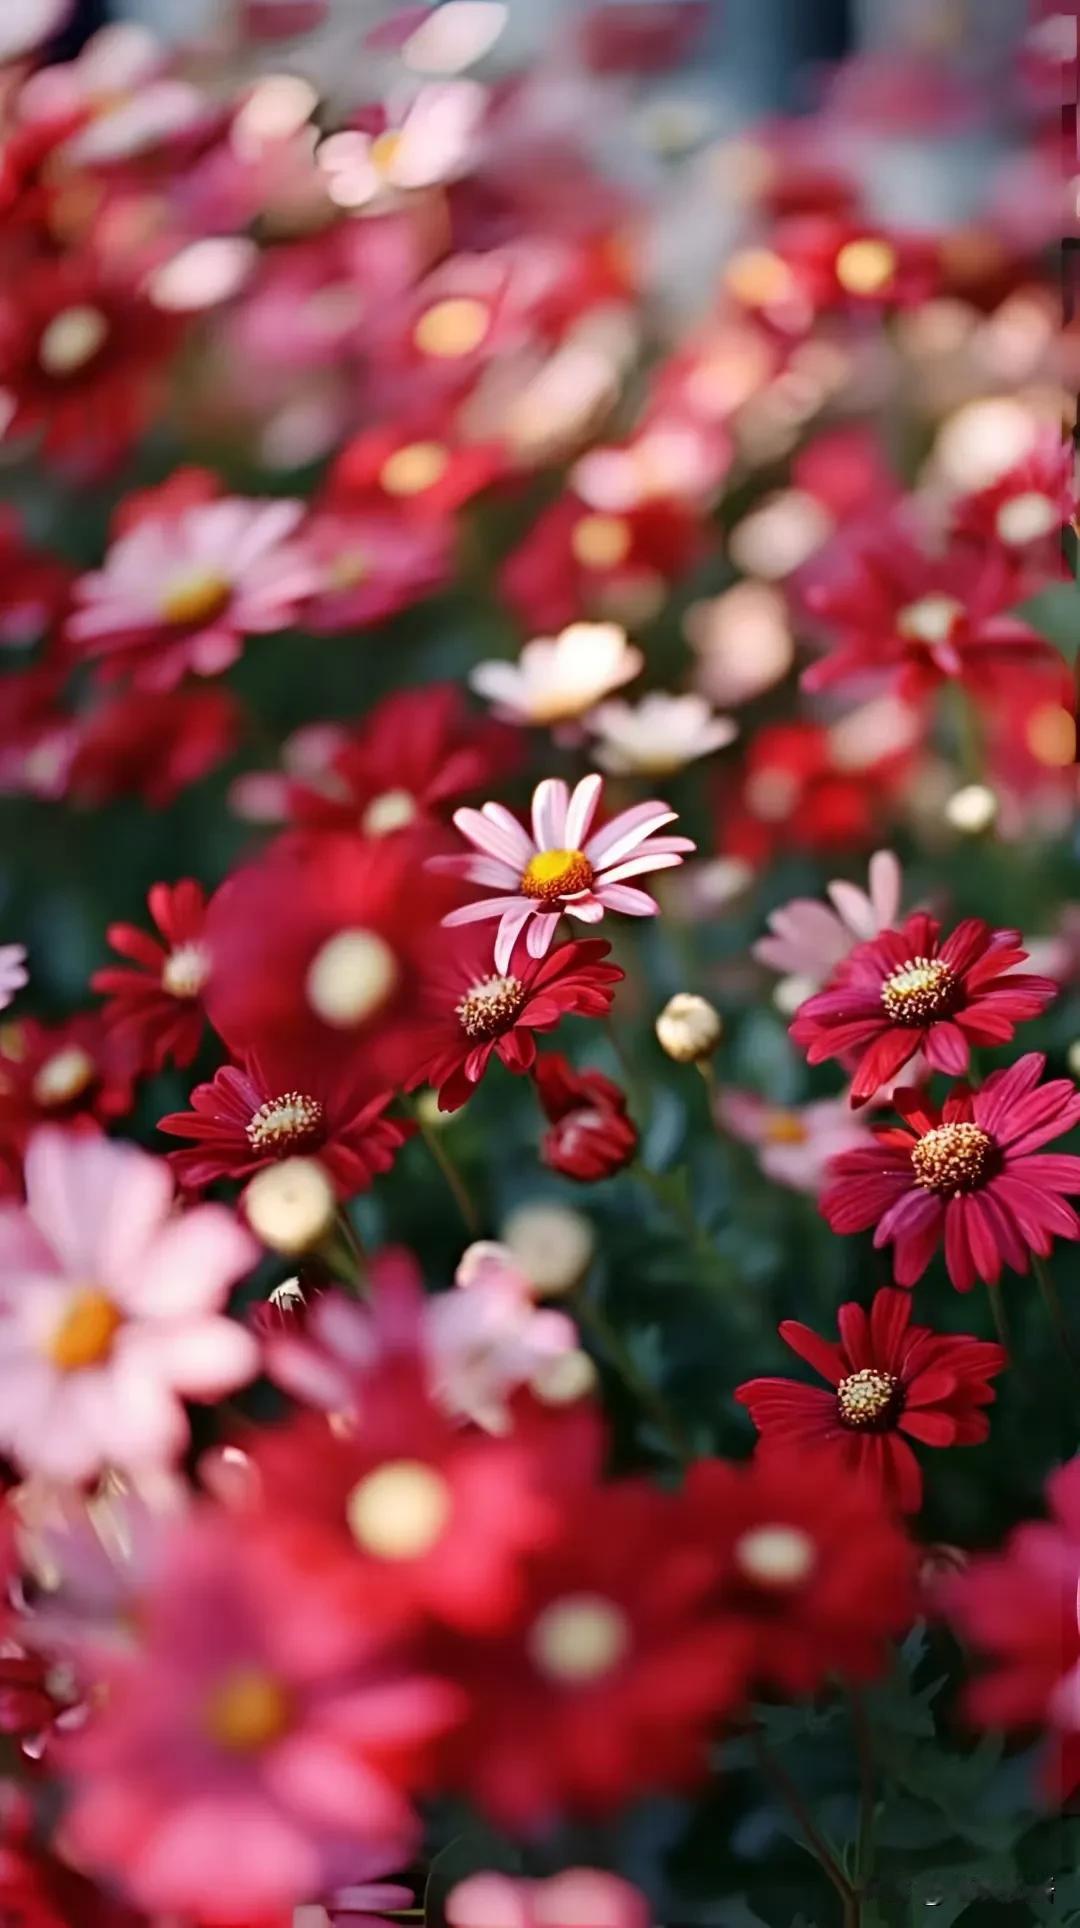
[
  {"x": 549, "y": 808},
  {"x": 492, "y": 838},
  {"x": 582, "y": 810},
  {"x": 635, "y": 867},
  {"x": 190, "y": 1266},
  {"x": 626, "y": 831},
  {"x": 539, "y": 937},
  {"x": 632, "y": 903},
  {"x": 516, "y": 915},
  {"x": 487, "y": 907}
]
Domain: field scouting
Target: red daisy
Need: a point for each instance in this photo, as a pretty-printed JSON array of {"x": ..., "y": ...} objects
[
  {"x": 811, "y": 1575},
  {"x": 591, "y": 1136},
  {"x": 471, "y": 1011},
  {"x": 158, "y": 1005},
  {"x": 281, "y": 1103},
  {"x": 1018, "y": 1608},
  {"x": 972, "y": 1174},
  {"x": 805, "y": 787},
  {"x": 576, "y": 561},
  {"x": 1027, "y": 509},
  {"x": 37, "y": 586},
  {"x": 422, "y": 465},
  {"x": 908, "y": 990},
  {"x": 75, "y": 1073},
  {"x": 921, "y": 620},
  {"x": 888, "y": 1378},
  {"x": 152, "y": 744}
]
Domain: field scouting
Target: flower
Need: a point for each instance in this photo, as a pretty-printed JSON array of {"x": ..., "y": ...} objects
[
  {"x": 151, "y": 744},
  {"x": 810, "y": 1576},
  {"x": 808, "y": 940},
  {"x": 280, "y": 1103},
  {"x": 243, "y": 1758},
  {"x": 291, "y": 1205},
  {"x": 796, "y": 1144},
  {"x": 576, "y": 1898},
  {"x": 75, "y": 1073},
  {"x": 13, "y": 972},
  {"x": 384, "y": 157},
  {"x": 159, "y": 1003},
  {"x": 1029, "y": 506},
  {"x": 659, "y": 735},
  {"x": 556, "y": 679},
  {"x": 1017, "y": 1608},
  {"x": 112, "y": 1309},
  {"x": 182, "y": 588},
  {"x": 552, "y": 1244},
  {"x": 560, "y": 867},
  {"x": 36, "y": 586},
  {"x": 890, "y": 1381},
  {"x": 471, "y": 1012},
  {"x": 370, "y": 561},
  {"x": 422, "y": 465},
  {"x": 807, "y": 787},
  {"x": 972, "y": 1175},
  {"x": 118, "y": 97},
  {"x": 577, "y": 560},
  {"x": 591, "y": 1135},
  {"x": 908, "y": 990}
]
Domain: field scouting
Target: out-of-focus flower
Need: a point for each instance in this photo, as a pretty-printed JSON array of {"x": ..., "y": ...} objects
[
  {"x": 423, "y": 469},
  {"x": 158, "y": 1004},
  {"x": 486, "y": 1338},
  {"x": 560, "y": 868},
  {"x": 688, "y": 1028},
  {"x": 120, "y": 97},
  {"x": 577, "y": 561},
  {"x": 181, "y": 591},
  {"x": 557, "y": 679},
  {"x": 1028, "y": 507},
  {"x": 659, "y": 735},
  {"x": 150, "y": 744},
  {"x": 75, "y": 1073},
  {"x": 576, "y": 1898},
  {"x": 291, "y": 1205},
  {"x": 384, "y": 155},
  {"x": 1017, "y": 1608},
  {"x": 971, "y": 1176},
  {"x": 794, "y": 1144},
  {"x": 890, "y": 1382},
  {"x": 591, "y": 1135},
  {"x": 808, "y": 940},
  {"x": 113, "y": 1310},
  {"x": 470, "y": 1011},
  {"x": 369, "y": 562},
  {"x": 28, "y": 23},
  {"x": 742, "y": 640},
  {"x": 822, "y": 261},
  {"x": 35, "y": 589},
  {"x": 13, "y": 972},
  {"x": 282, "y": 1103},
  {"x": 803, "y": 786},
  {"x": 908, "y": 990},
  {"x": 246, "y": 1769},
  {"x": 551, "y": 1243}
]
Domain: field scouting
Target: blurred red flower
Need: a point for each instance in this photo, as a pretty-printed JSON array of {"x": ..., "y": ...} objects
[{"x": 158, "y": 1004}]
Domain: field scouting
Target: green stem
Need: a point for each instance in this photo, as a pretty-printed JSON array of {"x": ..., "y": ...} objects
[
  {"x": 681, "y": 1213},
  {"x": 1001, "y": 1323},
  {"x": 1055, "y": 1311},
  {"x": 454, "y": 1181},
  {"x": 864, "y": 1849},
  {"x": 779, "y": 1778},
  {"x": 641, "y": 1389}
]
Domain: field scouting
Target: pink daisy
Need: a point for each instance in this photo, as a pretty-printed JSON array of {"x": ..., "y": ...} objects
[
  {"x": 973, "y": 1175},
  {"x": 560, "y": 867},
  {"x": 13, "y": 972}
]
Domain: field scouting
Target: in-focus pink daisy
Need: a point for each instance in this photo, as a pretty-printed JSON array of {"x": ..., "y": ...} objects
[
  {"x": 111, "y": 1309},
  {"x": 13, "y": 972},
  {"x": 560, "y": 867},
  {"x": 180, "y": 591},
  {"x": 808, "y": 940}
]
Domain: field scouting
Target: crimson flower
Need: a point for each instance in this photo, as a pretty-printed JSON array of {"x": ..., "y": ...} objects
[
  {"x": 471, "y": 1012},
  {"x": 888, "y": 1378},
  {"x": 280, "y": 1103},
  {"x": 371, "y": 560},
  {"x": 1026, "y": 509},
  {"x": 1017, "y": 1607},
  {"x": 36, "y": 586},
  {"x": 75, "y": 1073},
  {"x": 811, "y": 1575},
  {"x": 576, "y": 561},
  {"x": 909, "y": 990},
  {"x": 801, "y": 787},
  {"x": 151, "y": 744},
  {"x": 158, "y": 1003},
  {"x": 591, "y": 1136},
  {"x": 972, "y": 1174},
  {"x": 423, "y": 466}
]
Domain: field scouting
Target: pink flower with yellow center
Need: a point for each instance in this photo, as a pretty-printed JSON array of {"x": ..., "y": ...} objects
[{"x": 563, "y": 866}]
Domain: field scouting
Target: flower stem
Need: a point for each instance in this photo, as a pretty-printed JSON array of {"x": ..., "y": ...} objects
[
  {"x": 1055, "y": 1311},
  {"x": 641, "y": 1389},
  {"x": 779, "y": 1778},
  {"x": 455, "y": 1183},
  {"x": 1001, "y": 1323},
  {"x": 673, "y": 1207},
  {"x": 864, "y": 1850}
]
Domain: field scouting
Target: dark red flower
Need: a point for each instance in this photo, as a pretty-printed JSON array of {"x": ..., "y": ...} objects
[
  {"x": 281, "y": 1103},
  {"x": 470, "y": 1011},
  {"x": 972, "y": 1175},
  {"x": 75, "y": 1073},
  {"x": 811, "y": 1578},
  {"x": 1028, "y": 508},
  {"x": 888, "y": 1378},
  {"x": 797, "y": 789},
  {"x": 591, "y": 1136},
  {"x": 371, "y": 560},
  {"x": 34, "y": 586},
  {"x": 158, "y": 1005},
  {"x": 419, "y": 465},
  {"x": 918, "y": 620},
  {"x": 908, "y": 990},
  {"x": 1018, "y": 1608},
  {"x": 576, "y": 561},
  {"x": 823, "y": 259},
  {"x": 151, "y": 744}
]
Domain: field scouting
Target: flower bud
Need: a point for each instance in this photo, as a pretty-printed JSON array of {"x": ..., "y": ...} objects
[
  {"x": 290, "y": 1206},
  {"x": 972, "y": 809},
  {"x": 688, "y": 1028},
  {"x": 565, "y": 1378},
  {"x": 552, "y": 1244}
]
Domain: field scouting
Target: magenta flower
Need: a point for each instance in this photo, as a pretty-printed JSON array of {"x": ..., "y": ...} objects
[
  {"x": 111, "y": 1309},
  {"x": 13, "y": 972},
  {"x": 560, "y": 867},
  {"x": 808, "y": 939}
]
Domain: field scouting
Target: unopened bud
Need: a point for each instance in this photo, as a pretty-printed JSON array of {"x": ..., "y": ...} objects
[
  {"x": 972, "y": 809},
  {"x": 1072, "y": 1058},
  {"x": 290, "y": 1206},
  {"x": 689, "y": 1029},
  {"x": 564, "y": 1379},
  {"x": 552, "y": 1244}
]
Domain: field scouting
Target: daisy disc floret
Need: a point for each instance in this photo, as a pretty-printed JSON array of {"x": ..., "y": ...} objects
[{"x": 562, "y": 865}]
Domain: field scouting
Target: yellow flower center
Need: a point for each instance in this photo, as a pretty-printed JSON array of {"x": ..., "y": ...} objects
[
  {"x": 556, "y": 873},
  {"x": 759, "y": 278},
  {"x": 452, "y": 328},
  {"x": 866, "y": 267},
  {"x": 869, "y": 1400},
  {"x": 384, "y": 150},
  {"x": 196, "y": 598},
  {"x": 579, "y": 1638},
  {"x": 601, "y": 541},
  {"x": 248, "y": 1711},
  {"x": 399, "y": 1511},
  {"x": 64, "y": 1076},
  {"x": 921, "y": 990},
  {"x": 785, "y": 1128},
  {"x": 292, "y": 1122},
  {"x": 86, "y": 1331},
  {"x": 414, "y": 468},
  {"x": 489, "y": 1006},
  {"x": 349, "y": 569},
  {"x": 953, "y": 1158}
]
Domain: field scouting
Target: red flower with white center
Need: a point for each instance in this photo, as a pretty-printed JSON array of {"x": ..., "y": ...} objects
[
  {"x": 890, "y": 1381},
  {"x": 82, "y": 356},
  {"x": 418, "y": 468},
  {"x": 284, "y": 1104},
  {"x": 973, "y": 1175},
  {"x": 916, "y": 620},
  {"x": 800, "y": 788},
  {"x": 436, "y": 1519},
  {"x": 75, "y": 1073},
  {"x": 1027, "y": 509},
  {"x": 371, "y": 561},
  {"x": 591, "y": 1136},
  {"x": 36, "y": 586},
  {"x": 561, "y": 868},
  {"x": 151, "y": 744},
  {"x": 609, "y": 1678},
  {"x": 158, "y": 1005},
  {"x": 811, "y": 1577},
  {"x": 579, "y": 561},
  {"x": 1018, "y": 1608},
  {"x": 181, "y": 590},
  {"x": 320, "y": 944},
  {"x": 909, "y": 990},
  {"x": 470, "y": 1011}
]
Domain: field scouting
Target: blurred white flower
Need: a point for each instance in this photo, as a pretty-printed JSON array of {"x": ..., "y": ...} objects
[
  {"x": 659, "y": 734},
  {"x": 558, "y": 679}
]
